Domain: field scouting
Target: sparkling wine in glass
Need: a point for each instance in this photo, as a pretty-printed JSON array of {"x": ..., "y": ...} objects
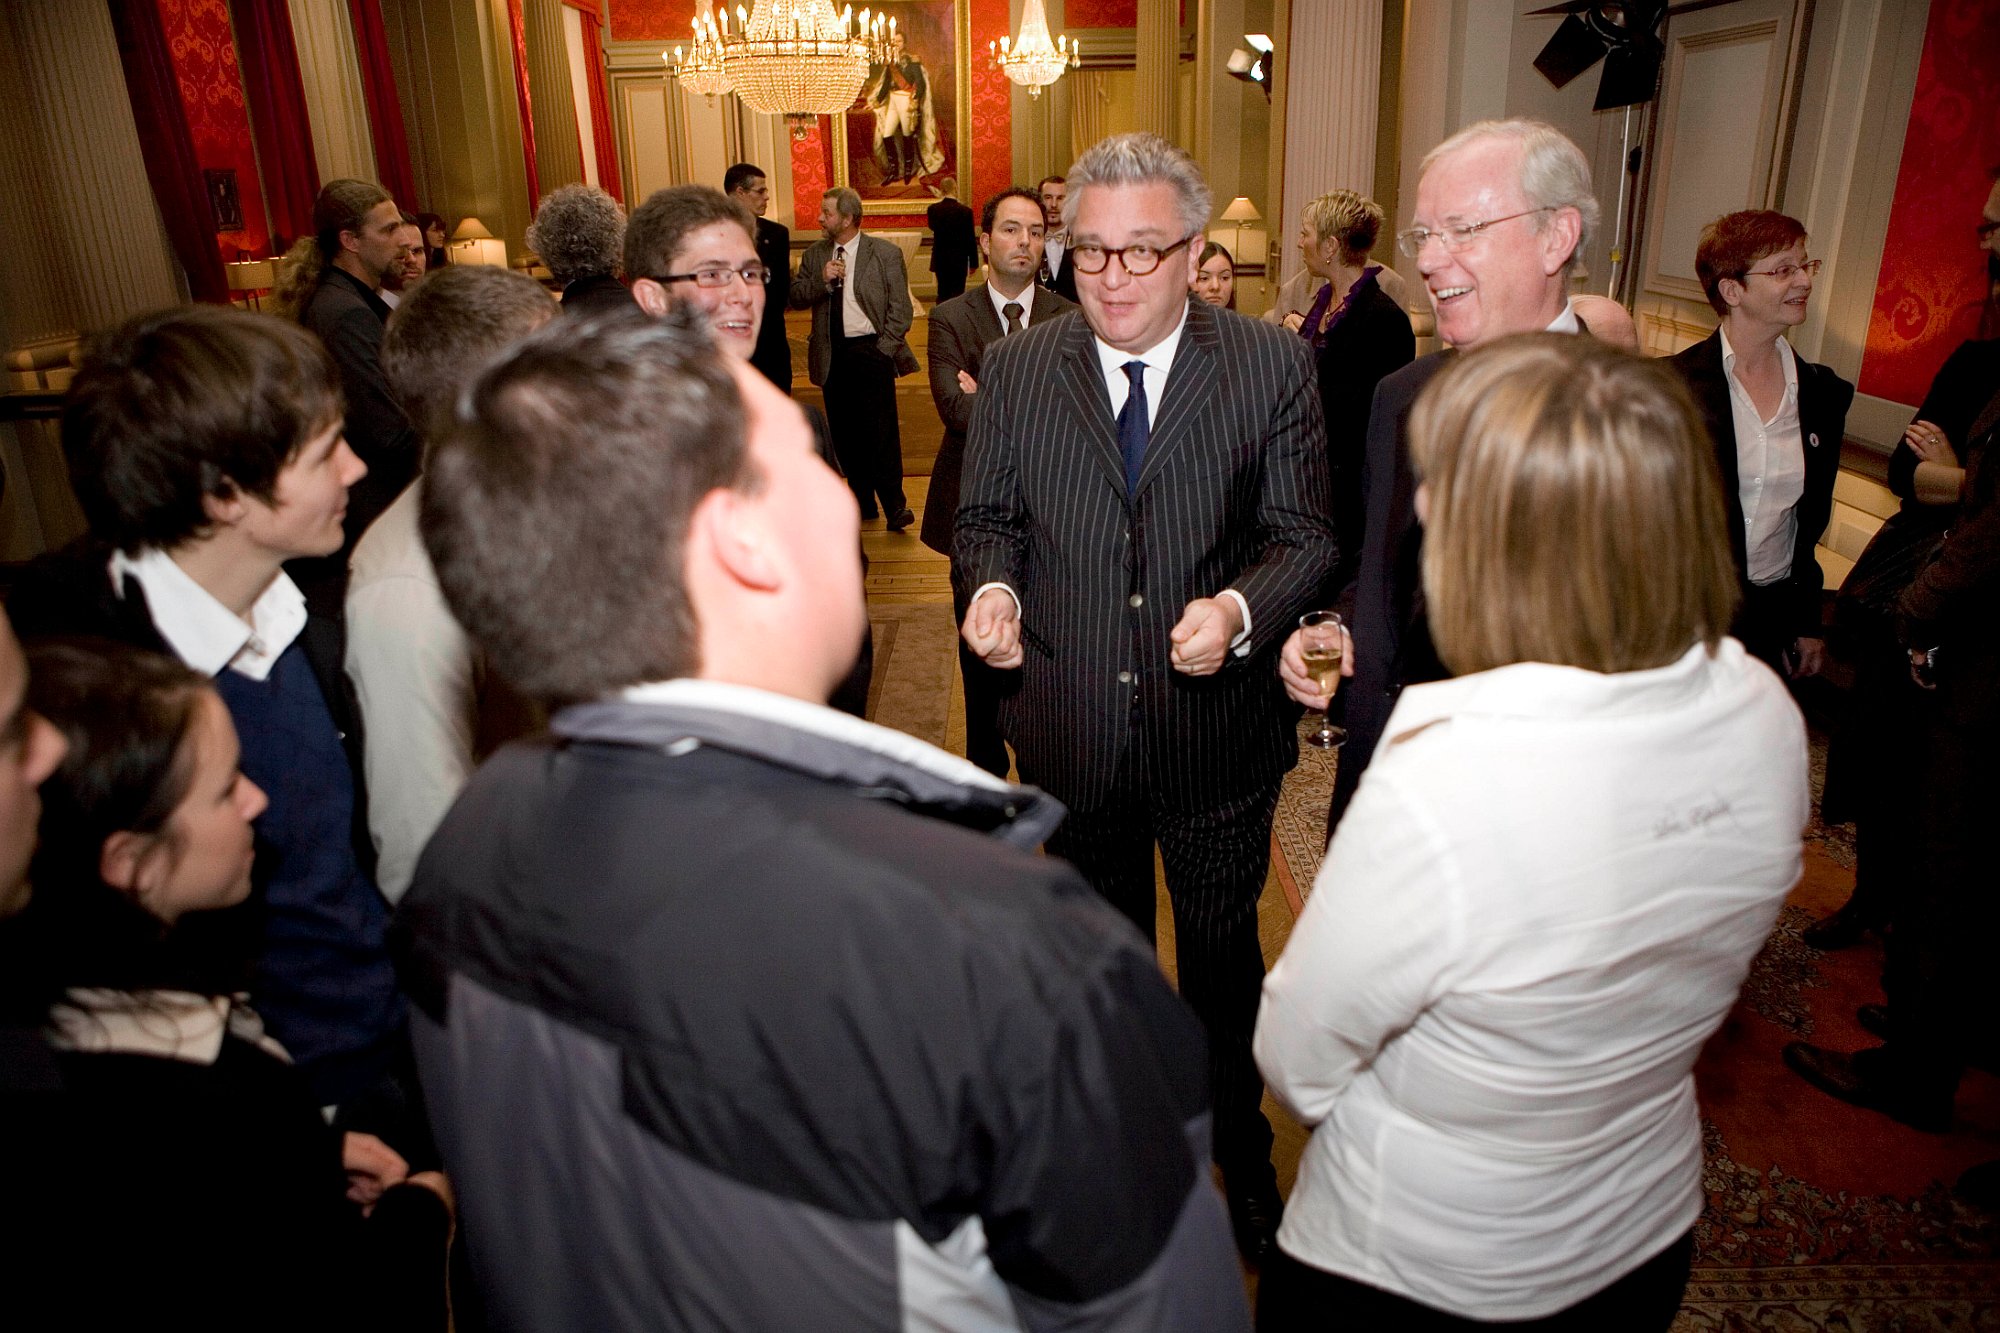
[{"x": 1320, "y": 642}]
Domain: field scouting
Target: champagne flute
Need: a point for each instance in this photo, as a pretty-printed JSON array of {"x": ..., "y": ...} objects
[{"x": 1320, "y": 641}]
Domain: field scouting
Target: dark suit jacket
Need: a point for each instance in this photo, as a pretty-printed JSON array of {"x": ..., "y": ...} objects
[
  {"x": 598, "y": 294},
  {"x": 348, "y": 318},
  {"x": 881, "y": 286},
  {"x": 1392, "y": 643},
  {"x": 1372, "y": 340},
  {"x": 773, "y": 354},
  {"x": 1823, "y": 401},
  {"x": 1232, "y": 494},
  {"x": 1958, "y": 394},
  {"x": 1063, "y": 281},
  {"x": 960, "y": 330},
  {"x": 953, "y": 245}
]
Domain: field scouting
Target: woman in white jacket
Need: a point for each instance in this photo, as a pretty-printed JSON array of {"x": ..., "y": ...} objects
[{"x": 1549, "y": 887}]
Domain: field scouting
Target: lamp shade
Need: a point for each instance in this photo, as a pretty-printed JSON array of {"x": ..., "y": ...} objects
[
  {"x": 1241, "y": 210},
  {"x": 472, "y": 229},
  {"x": 473, "y": 244}
]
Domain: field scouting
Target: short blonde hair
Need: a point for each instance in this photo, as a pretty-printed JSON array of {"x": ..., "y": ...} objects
[
  {"x": 1352, "y": 219},
  {"x": 1574, "y": 510}
]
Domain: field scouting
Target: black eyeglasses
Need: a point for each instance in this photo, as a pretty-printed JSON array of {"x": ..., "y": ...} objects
[
  {"x": 1139, "y": 260},
  {"x": 753, "y": 275},
  {"x": 1784, "y": 272}
]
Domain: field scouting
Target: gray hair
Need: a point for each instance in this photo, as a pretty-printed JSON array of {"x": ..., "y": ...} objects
[
  {"x": 846, "y": 202},
  {"x": 1554, "y": 173},
  {"x": 1141, "y": 159},
  {"x": 579, "y": 232}
]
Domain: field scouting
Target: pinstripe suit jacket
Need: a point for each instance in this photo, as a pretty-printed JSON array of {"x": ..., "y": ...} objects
[{"x": 1233, "y": 494}]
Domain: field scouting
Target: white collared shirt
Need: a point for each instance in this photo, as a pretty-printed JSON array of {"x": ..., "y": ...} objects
[
  {"x": 1770, "y": 469},
  {"x": 1566, "y": 322},
  {"x": 1053, "y": 245},
  {"x": 205, "y": 634},
  {"x": 853, "y": 321},
  {"x": 1026, "y": 300}
]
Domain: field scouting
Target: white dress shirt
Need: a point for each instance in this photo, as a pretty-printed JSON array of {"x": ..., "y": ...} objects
[
  {"x": 1026, "y": 300},
  {"x": 1053, "y": 245},
  {"x": 1770, "y": 469},
  {"x": 1542, "y": 903},
  {"x": 853, "y": 322},
  {"x": 205, "y": 634}
]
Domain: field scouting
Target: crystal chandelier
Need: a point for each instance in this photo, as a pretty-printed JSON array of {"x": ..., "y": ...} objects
[
  {"x": 699, "y": 68},
  {"x": 1034, "y": 61},
  {"x": 799, "y": 59}
]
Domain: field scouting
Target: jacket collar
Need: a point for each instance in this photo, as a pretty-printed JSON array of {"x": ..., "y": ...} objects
[{"x": 679, "y": 716}]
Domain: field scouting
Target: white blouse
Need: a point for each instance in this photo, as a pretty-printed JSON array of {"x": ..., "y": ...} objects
[{"x": 1541, "y": 903}]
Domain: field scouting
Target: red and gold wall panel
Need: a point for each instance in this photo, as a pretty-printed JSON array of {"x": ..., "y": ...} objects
[
  {"x": 1933, "y": 276},
  {"x": 204, "y": 55}
]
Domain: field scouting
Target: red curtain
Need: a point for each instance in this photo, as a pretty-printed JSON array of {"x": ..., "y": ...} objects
[
  {"x": 518, "y": 28},
  {"x": 385, "y": 109},
  {"x": 171, "y": 166},
  {"x": 602, "y": 131},
  {"x": 277, "y": 96}
]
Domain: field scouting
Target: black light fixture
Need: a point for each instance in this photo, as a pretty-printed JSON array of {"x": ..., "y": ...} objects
[
  {"x": 1254, "y": 65},
  {"x": 1625, "y": 34}
]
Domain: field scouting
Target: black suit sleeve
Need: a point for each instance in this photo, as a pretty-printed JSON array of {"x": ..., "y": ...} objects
[
  {"x": 991, "y": 532},
  {"x": 1300, "y": 548},
  {"x": 950, "y": 353}
]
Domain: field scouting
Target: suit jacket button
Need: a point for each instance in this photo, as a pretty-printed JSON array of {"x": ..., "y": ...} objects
[
  {"x": 1124, "y": 678},
  {"x": 1136, "y": 600}
]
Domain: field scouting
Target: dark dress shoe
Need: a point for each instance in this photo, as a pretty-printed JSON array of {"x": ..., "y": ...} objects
[
  {"x": 1842, "y": 930},
  {"x": 1861, "y": 1079},
  {"x": 1980, "y": 1186},
  {"x": 1874, "y": 1020},
  {"x": 1253, "y": 1217},
  {"x": 902, "y": 519}
]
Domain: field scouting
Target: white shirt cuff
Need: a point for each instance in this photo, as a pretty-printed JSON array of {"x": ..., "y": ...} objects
[
  {"x": 1240, "y": 645},
  {"x": 985, "y": 587}
]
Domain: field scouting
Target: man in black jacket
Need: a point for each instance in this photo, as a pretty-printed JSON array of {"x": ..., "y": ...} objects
[
  {"x": 735, "y": 1011},
  {"x": 954, "y": 252},
  {"x": 1497, "y": 259},
  {"x": 747, "y": 184}
]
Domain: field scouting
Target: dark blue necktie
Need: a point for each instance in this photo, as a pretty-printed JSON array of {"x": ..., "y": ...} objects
[{"x": 1133, "y": 425}]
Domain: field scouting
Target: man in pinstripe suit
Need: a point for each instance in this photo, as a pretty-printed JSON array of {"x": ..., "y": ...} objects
[{"x": 1143, "y": 518}]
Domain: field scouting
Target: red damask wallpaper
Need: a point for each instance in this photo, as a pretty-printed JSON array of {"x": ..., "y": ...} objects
[
  {"x": 651, "y": 20},
  {"x": 1933, "y": 277},
  {"x": 1100, "y": 13},
  {"x": 204, "y": 55}
]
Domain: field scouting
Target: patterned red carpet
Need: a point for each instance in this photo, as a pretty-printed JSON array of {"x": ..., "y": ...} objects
[{"x": 1820, "y": 1216}]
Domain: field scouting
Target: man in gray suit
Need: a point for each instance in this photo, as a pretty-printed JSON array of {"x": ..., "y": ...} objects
[
  {"x": 1143, "y": 518},
  {"x": 860, "y": 300},
  {"x": 1010, "y": 236}
]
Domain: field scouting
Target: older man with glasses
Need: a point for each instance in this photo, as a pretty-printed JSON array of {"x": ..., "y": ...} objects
[
  {"x": 1143, "y": 517},
  {"x": 1504, "y": 213}
]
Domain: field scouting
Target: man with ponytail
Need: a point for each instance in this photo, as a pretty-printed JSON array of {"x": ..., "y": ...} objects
[{"x": 335, "y": 289}]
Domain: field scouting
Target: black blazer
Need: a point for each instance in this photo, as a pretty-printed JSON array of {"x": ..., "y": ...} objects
[
  {"x": 1372, "y": 340},
  {"x": 349, "y": 319},
  {"x": 961, "y": 328},
  {"x": 1823, "y": 403},
  {"x": 953, "y": 246},
  {"x": 1958, "y": 394},
  {"x": 1232, "y": 494},
  {"x": 1063, "y": 280},
  {"x": 773, "y": 354}
]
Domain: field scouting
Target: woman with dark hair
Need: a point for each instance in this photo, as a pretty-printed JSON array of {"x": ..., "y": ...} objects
[
  {"x": 199, "y": 1168},
  {"x": 1215, "y": 279},
  {"x": 434, "y": 237},
  {"x": 1777, "y": 422},
  {"x": 1550, "y": 885}
]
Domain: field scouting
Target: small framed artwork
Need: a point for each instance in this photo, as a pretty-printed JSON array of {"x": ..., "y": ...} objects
[
  {"x": 223, "y": 199},
  {"x": 906, "y": 132}
]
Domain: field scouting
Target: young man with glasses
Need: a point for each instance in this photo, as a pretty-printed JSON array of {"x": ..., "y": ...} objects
[
  {"x": 1143, "y": 518},
  {"x": 859, "y": 295},
  {"x": 690, "y": 245},
  {"x": 1503, "y": 217}
]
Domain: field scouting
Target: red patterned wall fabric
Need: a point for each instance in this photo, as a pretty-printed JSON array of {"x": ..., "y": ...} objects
[
  {"x": 211, "y": 87},
  {"x": 1101, "y": 13},
  {"x": 652, "y": 20},
  {"x": 1933, "y": 276}
]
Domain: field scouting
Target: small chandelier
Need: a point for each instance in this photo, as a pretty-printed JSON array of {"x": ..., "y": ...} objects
[
  {"x": 1034, "y": 61},
  {"x": 799, "y": 59},
  {"x": 699, "y": 68}
]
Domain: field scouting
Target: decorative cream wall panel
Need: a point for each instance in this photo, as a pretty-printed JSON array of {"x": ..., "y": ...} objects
[{"x": 1332, "y": 104}]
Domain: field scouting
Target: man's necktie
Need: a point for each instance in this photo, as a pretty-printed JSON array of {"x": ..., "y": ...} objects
[
  {"x": 1011, "y": 312},
  {"x": 1133, "y": 426}
]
